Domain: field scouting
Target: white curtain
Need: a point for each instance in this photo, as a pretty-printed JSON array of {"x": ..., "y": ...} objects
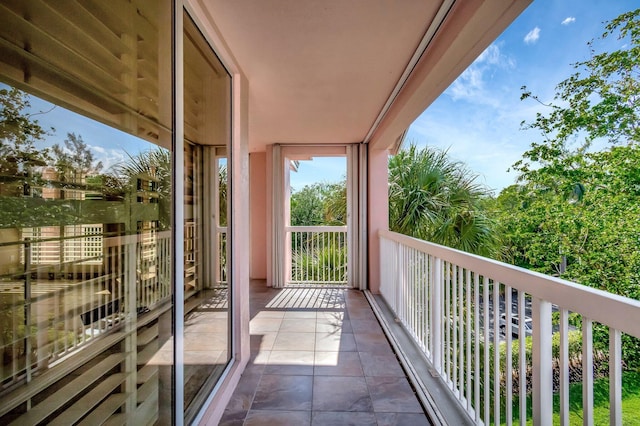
[
  {"x": 277, "y": 252},
  {"x": 357, "y": 215}
]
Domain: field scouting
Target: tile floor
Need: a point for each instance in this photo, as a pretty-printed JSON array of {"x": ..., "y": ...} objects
[{"x": 319, "y": 357}]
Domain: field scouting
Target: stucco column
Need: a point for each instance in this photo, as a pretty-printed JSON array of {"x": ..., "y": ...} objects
[
  {"x": 378, "y": 210},
  {"x": 268, "y": 214},
  {"x": 258, "y": 190}
]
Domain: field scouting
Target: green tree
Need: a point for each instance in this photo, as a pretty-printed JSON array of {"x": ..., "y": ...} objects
[
  {"x": 75, "y": 160},
  {"x": 19, "y": 135},
  {"x": 575, "y": 203},
  {"x": 575, "y": 209},
  {"x": 155, "y": 163},
  {"x": 436, "y": 199},
  {"x": 335, "y": 203},
  {"x": 222, "y": 194},
  {"x": 321, "y": 203},
  {"x": 320, "y": 256},
  {"x": 306, "y": 206},
  {"x": 600, "y": 100}
]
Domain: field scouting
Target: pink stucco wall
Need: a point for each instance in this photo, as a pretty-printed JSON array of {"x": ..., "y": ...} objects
[
  {"x": 258, "y": 216},
  {"x": 378, "y": 211}
]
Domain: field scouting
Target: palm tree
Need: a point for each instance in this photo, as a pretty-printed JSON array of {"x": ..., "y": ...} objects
[
  {"x": 436, "y": 199},
  {"x": 155, "y": 163}
]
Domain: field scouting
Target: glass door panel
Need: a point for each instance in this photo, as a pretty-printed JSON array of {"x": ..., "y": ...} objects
[{"x": 207, "y": 324}]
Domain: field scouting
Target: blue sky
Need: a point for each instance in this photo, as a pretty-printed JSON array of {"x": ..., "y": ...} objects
[
  {"x": 320, "y": 169},
  {"x": 477, "y": 119},
  {"x": 108, "y": 144}
]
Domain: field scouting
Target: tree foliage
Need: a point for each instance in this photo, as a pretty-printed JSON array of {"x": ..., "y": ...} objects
[
  {"x": 600, "y": 100},
  {"x": 155, "y": 163},
  {"x": 74, "y": 160},
  {"x": 321, "y": 203},
  {"x": 19, "y": 134},
  {"x": 436, "y": 199},
  {"x": 574, "y": 202},
  {"x": 575, "y": 209}
]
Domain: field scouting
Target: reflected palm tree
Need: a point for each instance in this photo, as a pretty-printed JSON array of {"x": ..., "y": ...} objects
[{"x": 154, "y": 164}]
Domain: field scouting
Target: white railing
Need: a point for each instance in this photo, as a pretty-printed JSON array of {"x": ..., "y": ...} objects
[
  {"x": 453, "y": 305},
  {"x": 317, "y": 254},
  {"x": 221, "y": 258},
  {"x": 45, "y": 316}
]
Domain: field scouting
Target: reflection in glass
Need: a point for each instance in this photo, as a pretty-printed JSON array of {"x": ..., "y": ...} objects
[
  {"x": 207, "y": 321},
  {"x": 85, "y": 202}
]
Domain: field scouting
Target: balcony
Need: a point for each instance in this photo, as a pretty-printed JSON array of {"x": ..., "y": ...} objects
[
  {"x": 456, "y": 309},
  {"x": 318, "y": 354}
]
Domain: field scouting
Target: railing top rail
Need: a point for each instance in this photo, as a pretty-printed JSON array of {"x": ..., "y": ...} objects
[
  {"x": 131, "y": 239},
  {"x": 619, "y": 312},
  {"x": 320, "y": 228}
]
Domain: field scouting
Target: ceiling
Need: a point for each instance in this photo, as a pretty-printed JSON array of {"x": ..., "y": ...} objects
[{"x": 328, "y": 71}]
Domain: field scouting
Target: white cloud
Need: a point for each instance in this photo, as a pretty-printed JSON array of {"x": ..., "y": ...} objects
[
  {"x": 470, "y": 85},
  {"x": 108, "y": 157},
  {"x": 532, "y": 36},
  {"x": 474, "y": 141},
  {"x": 493, "y": 56},
  {"x": 568, "y": 20}
]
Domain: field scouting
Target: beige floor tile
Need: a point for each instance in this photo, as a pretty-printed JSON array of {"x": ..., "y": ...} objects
[
  {"x": 308, "y": 314},
  {"x": 342, "y": 342},
  {"x": 260, "y": 325},
  {"x": 263, "y": 341},
  {"x": 286, "y": 341},
  {"x": 319, "y": 357},
  {"x": 337, "y": 364},
  {"x": 269, "y": 314},
  {"x": 307, "y": 325},
  {"x": 291, "y": 358}
]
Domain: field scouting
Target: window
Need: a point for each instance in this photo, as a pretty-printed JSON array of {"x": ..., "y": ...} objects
[
  {"x": 207, "y": 331},
  {"x": 85, "y": 212}
]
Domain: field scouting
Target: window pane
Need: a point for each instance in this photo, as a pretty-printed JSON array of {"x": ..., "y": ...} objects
[
  {"x": 85, "y": 202},
  {"x": 106, "y": 60},
  {"x": 207, "y": 118}
]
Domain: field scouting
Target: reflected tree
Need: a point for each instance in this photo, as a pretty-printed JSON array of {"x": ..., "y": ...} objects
[
  {"x": 19, "y": 134},
  {"x": 155, "y": 164}
]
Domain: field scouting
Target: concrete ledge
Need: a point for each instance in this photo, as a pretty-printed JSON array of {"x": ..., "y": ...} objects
[{"x": 440, "y": 404}]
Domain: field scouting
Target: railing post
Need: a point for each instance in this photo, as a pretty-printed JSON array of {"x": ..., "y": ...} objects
[
  {"x": 542, "y": 366},
  {"x": 400, "y": 286},
  {"x": 395, "y": 276},
  {"x": 615, "y": 377},
  {"x": 436, "y": 313},
  {"x": 133, "y": 253},
  {"x": 564, "y": 367},
  {"x": 587, "y": 371},
  {"x": 27, "y": 311}
]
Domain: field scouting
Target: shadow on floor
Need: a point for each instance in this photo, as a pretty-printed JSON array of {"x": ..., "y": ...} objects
[{"x": 319, "y": 357}]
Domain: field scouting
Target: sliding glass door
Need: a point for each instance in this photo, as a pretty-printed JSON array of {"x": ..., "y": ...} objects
[
  {"x": 95, "y": 324},
  {"x": 207, "y": 325},
  {"x": 86, "y": 296}
]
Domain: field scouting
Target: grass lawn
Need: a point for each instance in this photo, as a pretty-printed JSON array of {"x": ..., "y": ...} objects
[{"x": 630, "y": 402}]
